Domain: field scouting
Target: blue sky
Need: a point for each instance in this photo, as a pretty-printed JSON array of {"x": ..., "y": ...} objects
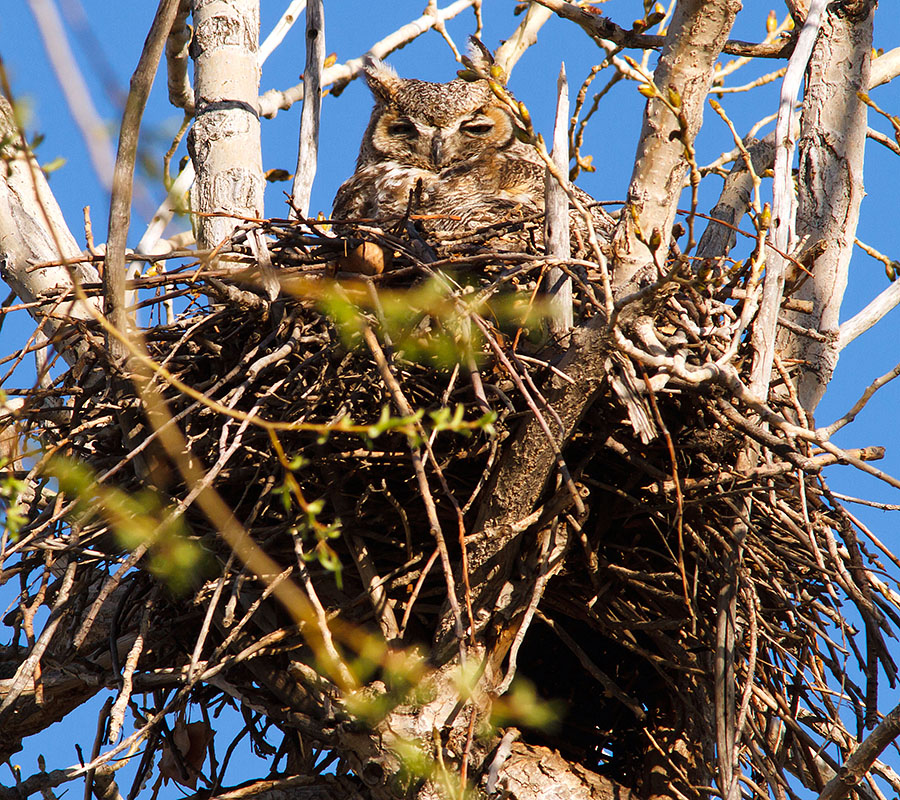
[{"x": 107, "y": 44}]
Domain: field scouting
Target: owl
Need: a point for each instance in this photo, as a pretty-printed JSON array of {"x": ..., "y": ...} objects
[{"x": 450, "y": 154}]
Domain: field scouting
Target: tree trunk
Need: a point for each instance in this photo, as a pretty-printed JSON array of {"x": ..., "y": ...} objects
[
  {"x": 832, "y": 149},
  {"x": 225, "y": 140}
]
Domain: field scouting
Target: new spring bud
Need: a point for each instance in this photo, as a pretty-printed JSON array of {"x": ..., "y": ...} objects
[{"x": 674, "y": 97}]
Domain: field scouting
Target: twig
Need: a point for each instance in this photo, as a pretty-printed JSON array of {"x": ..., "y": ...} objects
[
  {"x": 829, "y": 431},
  {"x": 28, "y": 668},
  {"x": 117, "y": 713},
  {"x": 425, "y": 490},
  {"x": 320, "y": 616}
]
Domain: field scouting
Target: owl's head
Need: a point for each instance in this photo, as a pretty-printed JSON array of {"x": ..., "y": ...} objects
[{"x": 432, "y": 126}]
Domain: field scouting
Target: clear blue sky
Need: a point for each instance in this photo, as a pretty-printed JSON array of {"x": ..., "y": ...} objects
[{"x": 107, "y": 44}]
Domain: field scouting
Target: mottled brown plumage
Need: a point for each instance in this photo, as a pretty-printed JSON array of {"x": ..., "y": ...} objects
[{"x": 454, "y": 145}]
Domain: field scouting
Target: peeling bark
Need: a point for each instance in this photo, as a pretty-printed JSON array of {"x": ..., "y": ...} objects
[
  {"x": 540, "y": 772},
  {"x": 832, "y": 148},
  {"x": 225, "y": 140},
  {"x": 33, "y": 231},
  {"x": 698, "y": 31}
]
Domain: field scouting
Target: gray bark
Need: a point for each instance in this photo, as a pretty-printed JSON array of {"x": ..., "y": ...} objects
[
  {"x": 696, "y": 35},
  {"x": 832, "y": 145},
  {"x": 33, "y": 231},
  {"x": 225, "y": 140}
]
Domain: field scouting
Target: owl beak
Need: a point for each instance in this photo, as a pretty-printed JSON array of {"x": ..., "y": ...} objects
[{"x": 437, "y": 149}]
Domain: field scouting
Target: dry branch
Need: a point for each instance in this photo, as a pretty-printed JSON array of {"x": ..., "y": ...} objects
[
  {"x": 114, "y": 275},
  {"x": 312, "y": 106}
]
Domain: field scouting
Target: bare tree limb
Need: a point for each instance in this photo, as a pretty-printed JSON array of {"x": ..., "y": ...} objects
[
  {"x": 114, "y": 275},
  {"x": 340, "y": 75},
  {"x": 599, "y": 27},
  {"x": 556, "y": 219},
  {"x": 181, "y": 94},
  {"x": 33, "y": 231},
  {"x": 854, "y": 769},
  {"x": 860, "y": 322},
  {"x": 734, "y": 200},
  {"x": 277, "y": 34},
  {"x": 782, "y": 232},
  {"x": 312, "y": 106},
  {"x": 523, "y": 37},
  {"x": 885, "y": 68}
]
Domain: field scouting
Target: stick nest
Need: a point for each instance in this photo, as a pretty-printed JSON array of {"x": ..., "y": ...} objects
[{"x": 709, "y": 548}]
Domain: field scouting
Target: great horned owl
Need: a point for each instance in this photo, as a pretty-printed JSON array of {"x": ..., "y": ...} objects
[{"x": 455, "y": 146}]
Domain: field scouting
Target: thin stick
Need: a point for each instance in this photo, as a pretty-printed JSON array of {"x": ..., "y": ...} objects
[{"x": 123, "y": 178}]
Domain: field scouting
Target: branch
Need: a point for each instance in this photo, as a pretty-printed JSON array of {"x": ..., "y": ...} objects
[
  {"x": 556, "y": 219},
  {"x": 277, "y": 34},
  {"x": 33, "y": 231},
  {"x": 885, "y": 68},
  {"x": 312, "y": 106},
  {"x": 734, "y": 200},
  {"x": 294, "y": 787},
  {"x": 525, "y": 36},
  {"x": 598, "y": 27},
  {"x": 860, "y": 404},
  {"x": 114, "y": 276},
  {"x": 340, "y": 75},
  {"x": 533, "y": 771},
  {"x": 861, "y": 322},
  {"x": 854, "y": 769},
  {"x": 181, "y": 95}
]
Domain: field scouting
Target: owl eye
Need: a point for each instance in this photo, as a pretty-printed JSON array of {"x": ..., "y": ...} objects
[
  {"x": 479, "y": 128},
  {"x": 403, "y": 127}
]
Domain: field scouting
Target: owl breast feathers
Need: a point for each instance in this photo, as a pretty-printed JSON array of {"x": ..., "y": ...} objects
[{"x": 453, "y": 148}]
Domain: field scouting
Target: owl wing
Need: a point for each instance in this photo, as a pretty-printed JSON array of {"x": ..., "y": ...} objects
[{"x": 352, "y": 200}]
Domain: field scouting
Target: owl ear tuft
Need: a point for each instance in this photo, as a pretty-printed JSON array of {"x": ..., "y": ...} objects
[{"x": 383, "y": 81}]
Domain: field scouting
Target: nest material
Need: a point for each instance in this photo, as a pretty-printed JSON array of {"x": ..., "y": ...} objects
[{"x": 696, "y": 556}]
